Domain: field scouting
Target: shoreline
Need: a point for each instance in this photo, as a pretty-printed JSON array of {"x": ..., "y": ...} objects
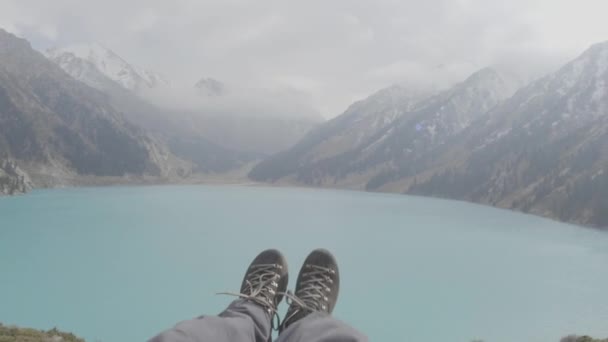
[{"x": 217, "y": 180}]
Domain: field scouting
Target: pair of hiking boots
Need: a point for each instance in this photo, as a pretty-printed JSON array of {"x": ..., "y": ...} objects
[{"x": 316, "y": 290}]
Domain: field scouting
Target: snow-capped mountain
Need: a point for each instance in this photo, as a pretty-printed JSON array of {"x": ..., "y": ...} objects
[
  {"x": 79, "y": 61},
  {"x": 55, "y": 128}
]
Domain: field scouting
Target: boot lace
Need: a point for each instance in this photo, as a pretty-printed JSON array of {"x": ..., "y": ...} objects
[
  {"x": 260, "y": 287},
  {"x": 313, "y": 292}
]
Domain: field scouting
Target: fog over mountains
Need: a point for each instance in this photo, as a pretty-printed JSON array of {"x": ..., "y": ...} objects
[
  {"x": 208, "y": 110},
  {"x": 80, "y": 114},
  {"x": 67, "y": 119}
]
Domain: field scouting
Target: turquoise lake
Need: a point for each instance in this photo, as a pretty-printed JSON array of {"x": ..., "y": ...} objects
[{"x": 121, "y": 264}]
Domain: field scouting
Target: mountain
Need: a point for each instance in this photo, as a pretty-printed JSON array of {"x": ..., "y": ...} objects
[
  {"x": 57, "y": 128},
  {"x": 380, "y": 134},
  {"x": 135, "y": 108},
  {"x": 225, "y": 132},
  {"x": 81, "y": 61},
  {"x": 210, "y": 87},
  {"x": 543, "y": 151},
  {"x": 167, "y": 126}
]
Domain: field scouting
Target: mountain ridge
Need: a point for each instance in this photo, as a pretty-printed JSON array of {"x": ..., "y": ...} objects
[
  {"x": 57, "y": 128},
  {"x": 113, "y": 66},
  {"x": 542, "y": 150},
  {"x": 379, "y": 138}
]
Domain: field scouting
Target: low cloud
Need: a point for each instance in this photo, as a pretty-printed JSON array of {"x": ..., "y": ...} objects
[
  {"x": 236, "y": 101},
  {"x": 333, "y": 51}
]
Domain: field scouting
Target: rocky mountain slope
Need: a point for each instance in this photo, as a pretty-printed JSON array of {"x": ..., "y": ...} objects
[
  {"x": 12, "y": 179},
  {"x": 382, "y": 133},
  {"x": 543, "y": 150},
  {"x": 56, "y": 127}
]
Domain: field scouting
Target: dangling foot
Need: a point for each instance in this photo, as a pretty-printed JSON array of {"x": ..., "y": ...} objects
[
  {"x": 317, "y": 288},
  {"x": 265, "y": 280}
]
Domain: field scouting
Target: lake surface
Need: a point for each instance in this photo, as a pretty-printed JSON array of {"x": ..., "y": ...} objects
[{"x": 121, "y": 264}]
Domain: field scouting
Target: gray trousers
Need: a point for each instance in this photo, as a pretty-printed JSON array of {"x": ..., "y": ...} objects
[{"x": 244, "y": 321}]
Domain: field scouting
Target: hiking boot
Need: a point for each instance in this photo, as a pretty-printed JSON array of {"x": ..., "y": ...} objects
[
  {"x": 265, "y": 280},
  {"x": 317, "y": 288}
]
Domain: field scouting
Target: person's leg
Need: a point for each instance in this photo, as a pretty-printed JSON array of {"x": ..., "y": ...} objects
[
  {"x": 320, "y": 327},
  {"x": 243, "y": 321},
  {"x": 309, "y": 317},
  {"x": 248, "y": 319}
]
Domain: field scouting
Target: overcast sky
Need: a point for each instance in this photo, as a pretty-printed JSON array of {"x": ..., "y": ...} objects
[{"x": 335, "y": 51}]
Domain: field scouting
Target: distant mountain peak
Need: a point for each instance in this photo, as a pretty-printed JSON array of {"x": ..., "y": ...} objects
[
  {"x": 210, "y": 87},
  {"x": 487, "y": 73},
  {"x": 6, "y": 36},
  {"x": 63, "y": 127},
  {"x": 109, "y": 63},
  {"x": 582, "y": 80},
  {"x": 592, "y": 62},
  {"x": 598, "y": 55},
  {"x": 597, "y": 47},
  {"x": 485, "y": 85}
]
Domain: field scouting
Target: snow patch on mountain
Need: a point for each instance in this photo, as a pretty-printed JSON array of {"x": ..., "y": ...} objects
[
  {"x": 129, "y": 76},
  {"x": 81, "y": 70}
]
